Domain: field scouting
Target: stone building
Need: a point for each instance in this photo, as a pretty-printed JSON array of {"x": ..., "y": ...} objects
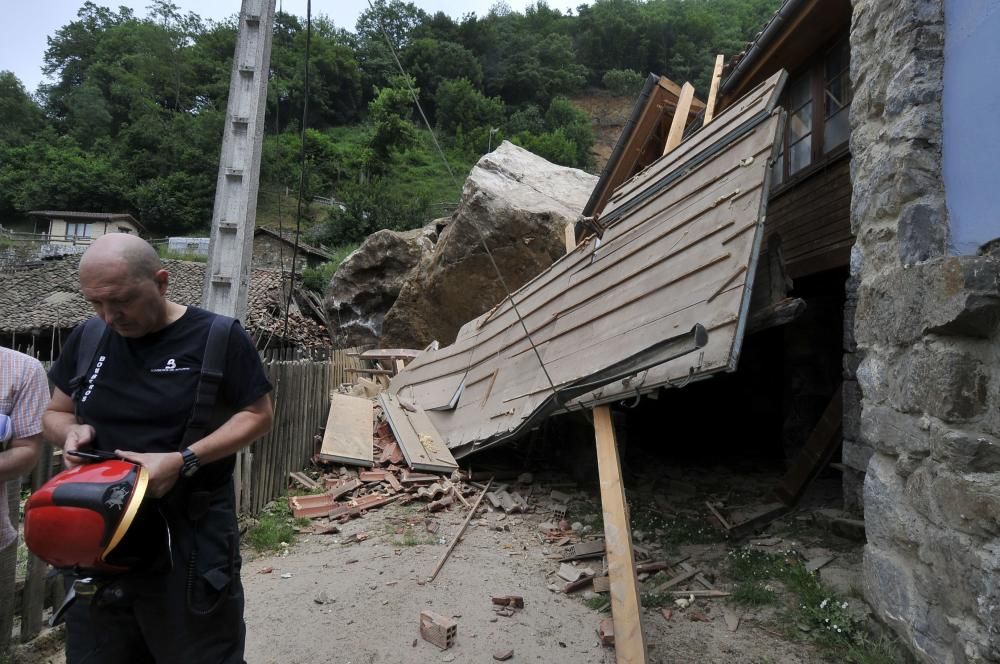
[
  {"x": 273, "y": 251},
  {"x": 886, "y": 226},
  {"x": 924, "y": 211}
]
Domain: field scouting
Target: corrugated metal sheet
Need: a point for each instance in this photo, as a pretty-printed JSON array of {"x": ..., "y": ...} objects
[{"x": 679, "y": 249}]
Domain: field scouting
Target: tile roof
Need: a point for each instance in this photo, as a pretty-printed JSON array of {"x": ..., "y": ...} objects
[{"x": 47, "y": 295}]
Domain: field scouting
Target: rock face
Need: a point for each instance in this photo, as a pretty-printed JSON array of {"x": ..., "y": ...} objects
[
  {"x": 928, "y": 368},
  {"x": 520, "y": 203},
  {"x": 369, "y": 280}
]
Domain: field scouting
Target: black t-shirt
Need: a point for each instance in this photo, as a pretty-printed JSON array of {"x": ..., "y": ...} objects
[{"x": 141, "y": 396}]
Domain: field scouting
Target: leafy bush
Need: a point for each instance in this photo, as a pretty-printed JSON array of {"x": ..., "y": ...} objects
[
  {"x": 318, "y": 278},
  {"x": 623, "y": 82}
]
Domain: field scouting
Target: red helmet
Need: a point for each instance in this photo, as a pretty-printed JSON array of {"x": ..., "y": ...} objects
[{"x": 93, "y": 519}]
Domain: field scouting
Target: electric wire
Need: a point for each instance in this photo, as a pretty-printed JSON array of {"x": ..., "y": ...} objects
[{"x": 302, "y": 167}]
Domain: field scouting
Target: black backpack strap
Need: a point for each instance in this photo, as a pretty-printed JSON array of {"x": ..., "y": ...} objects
[
  {"x": 213, "y": 365},
  {"x": 91, "y": 339}
]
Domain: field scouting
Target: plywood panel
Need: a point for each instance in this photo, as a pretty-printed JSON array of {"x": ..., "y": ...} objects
[
  {"x": 418, "y": 438},
  {"x": 349, "y": 430}
]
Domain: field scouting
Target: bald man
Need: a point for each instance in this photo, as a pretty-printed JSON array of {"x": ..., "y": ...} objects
[{"x": 136, "y": 402}]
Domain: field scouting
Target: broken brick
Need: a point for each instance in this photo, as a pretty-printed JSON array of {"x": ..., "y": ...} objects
[
  {"x": 606, "y": 631},
  {"x": 436, "y": 629}
]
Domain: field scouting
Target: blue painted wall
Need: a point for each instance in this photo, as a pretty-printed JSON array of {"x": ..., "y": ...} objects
[{"x": 972, "y": 121}]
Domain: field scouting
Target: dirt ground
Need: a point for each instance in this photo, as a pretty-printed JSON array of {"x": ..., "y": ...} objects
[{"x": 332, "y": 598}]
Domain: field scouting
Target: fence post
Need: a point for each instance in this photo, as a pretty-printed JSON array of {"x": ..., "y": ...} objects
[{"x": 33, "y": 595}]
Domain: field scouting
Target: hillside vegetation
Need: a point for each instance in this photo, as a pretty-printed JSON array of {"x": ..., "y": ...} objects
[{"x": 133, "y": 118}]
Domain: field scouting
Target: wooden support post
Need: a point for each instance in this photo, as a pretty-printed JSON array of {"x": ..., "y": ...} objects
[
  {"x": 570, "y": 237},
  {"x": 680, "y": 118},
  {"x": 713, "y": 91},
  {"x": 630, "y": 645}
]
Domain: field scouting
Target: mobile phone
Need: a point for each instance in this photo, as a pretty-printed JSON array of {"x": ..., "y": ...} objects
[{"x": 93, "y": 455}]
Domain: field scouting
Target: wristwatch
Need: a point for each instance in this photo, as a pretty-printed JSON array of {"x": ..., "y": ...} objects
[{"x": 191, "y": 463}]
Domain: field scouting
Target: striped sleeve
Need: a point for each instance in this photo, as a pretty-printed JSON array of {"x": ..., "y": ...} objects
[{"x": 31, "y": 400}]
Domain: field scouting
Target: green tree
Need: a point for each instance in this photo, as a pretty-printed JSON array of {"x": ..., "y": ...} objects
[
  {"x": 392, "y": 131},
  {"x": 430, "y": 62},
  {"x": 461, "y": 106},
  {"x": 623, "y": 82},
  {"x": 20, "y": 117}
]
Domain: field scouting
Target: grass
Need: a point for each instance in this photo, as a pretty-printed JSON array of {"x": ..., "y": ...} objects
[
  {"x": 275, "y": 527},
  {"x": 410, "y": 538},
  {"x": 596, "y": 603},
  {"x": 834, "y": 628},
  {"x": 181, "y": 255},
  {"x": 753, "y": 593}
]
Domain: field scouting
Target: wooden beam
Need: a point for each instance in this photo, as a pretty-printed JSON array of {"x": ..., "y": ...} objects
[
  {"x": 570, "y": 236},
  {"x": 630, "y": 645},
  {"x": 713, "y": 91},
  {"x": 815, "y": 454},
  {"x": 773, "y": 315},
  {"x": 680, "y": 118}
]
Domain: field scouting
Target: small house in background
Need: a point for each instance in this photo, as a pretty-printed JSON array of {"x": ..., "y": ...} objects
[
  {"x": 67, "y": 227},
  {"x": 188, "y": 245},
  {"x": 274, "y": 251}
]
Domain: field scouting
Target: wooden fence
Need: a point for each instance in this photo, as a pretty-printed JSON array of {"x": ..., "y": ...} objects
[{"x": 301, "y": 403}]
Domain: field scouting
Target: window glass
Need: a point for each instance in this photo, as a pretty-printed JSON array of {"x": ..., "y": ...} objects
[
  {"x": 837, "y": 130},
  {"x": 800, "y": 123},
  {"x": 799, "y": 92},
  {"x": 799, "y": 155}
]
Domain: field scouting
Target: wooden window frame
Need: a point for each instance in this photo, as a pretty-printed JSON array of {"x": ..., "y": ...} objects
[{"x": 819, "y": 156}]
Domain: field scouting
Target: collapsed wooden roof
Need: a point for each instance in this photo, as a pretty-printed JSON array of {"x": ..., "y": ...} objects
[{"x": 620, "y": 315}]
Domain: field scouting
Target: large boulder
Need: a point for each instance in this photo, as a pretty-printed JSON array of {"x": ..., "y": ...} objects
[
  {"x": 519, "y": 205},
  {"x": 369, "y": 280}
]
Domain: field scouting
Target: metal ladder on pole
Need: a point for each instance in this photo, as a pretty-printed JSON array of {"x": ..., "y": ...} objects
[{"x": 233, "y": 218}]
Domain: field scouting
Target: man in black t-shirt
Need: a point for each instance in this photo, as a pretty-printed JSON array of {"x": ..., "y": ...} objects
[{"x": 136, "y": 401}]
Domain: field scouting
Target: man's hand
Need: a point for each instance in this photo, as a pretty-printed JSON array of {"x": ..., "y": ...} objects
[
  {"x": 77, "y": 436},
  {"x": 163, "y": 467}
]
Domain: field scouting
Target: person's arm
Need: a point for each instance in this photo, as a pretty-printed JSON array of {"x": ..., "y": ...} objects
[
  {"x": 20, "y": 457},
  {"x": 26, "y": 419},
  {"x": 237, "y": 432},
  {"x": 61, "y": 428}
]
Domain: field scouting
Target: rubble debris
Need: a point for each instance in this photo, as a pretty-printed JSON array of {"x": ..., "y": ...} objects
[
  {"x": 304, "y": 481},
  {"x": 732, "y": 619},
  {"x": 503, "y": 655},
  {"x": 436, "y": 629},
  {"x": 606, "y": 632},
  {"x": 569, "y": 573},
  {"x": 513, "y": 601},
  {"x": 585, "y": 550},
  {"x": 472, "y": 512},
  {"x": 718, "y": 515},
  {"x": 698, "y": 616},
  {"x": 816, "y": 563},
  {"x": 602, "y": 584}
]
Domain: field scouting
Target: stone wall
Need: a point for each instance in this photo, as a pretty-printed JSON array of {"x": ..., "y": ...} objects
[{"x": 926, "y": 325}]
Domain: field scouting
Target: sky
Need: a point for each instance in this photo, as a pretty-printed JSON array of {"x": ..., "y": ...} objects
[{"x": 26, "y": 25}]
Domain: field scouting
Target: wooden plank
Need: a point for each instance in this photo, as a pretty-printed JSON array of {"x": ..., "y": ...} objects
[
  {"x": 348, "y": 435},
  {"x": 680, "y": 118},
  {"x": 713, "y": 91},
  {"x": 815, "y": 454},
  {"x": 422, "y": 445},
  {"x": 675, "y": 580},
  {"x": 630, "y": 644}
]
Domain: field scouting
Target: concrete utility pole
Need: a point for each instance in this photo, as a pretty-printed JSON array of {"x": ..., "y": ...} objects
[{"x": 230, "y": 246}]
